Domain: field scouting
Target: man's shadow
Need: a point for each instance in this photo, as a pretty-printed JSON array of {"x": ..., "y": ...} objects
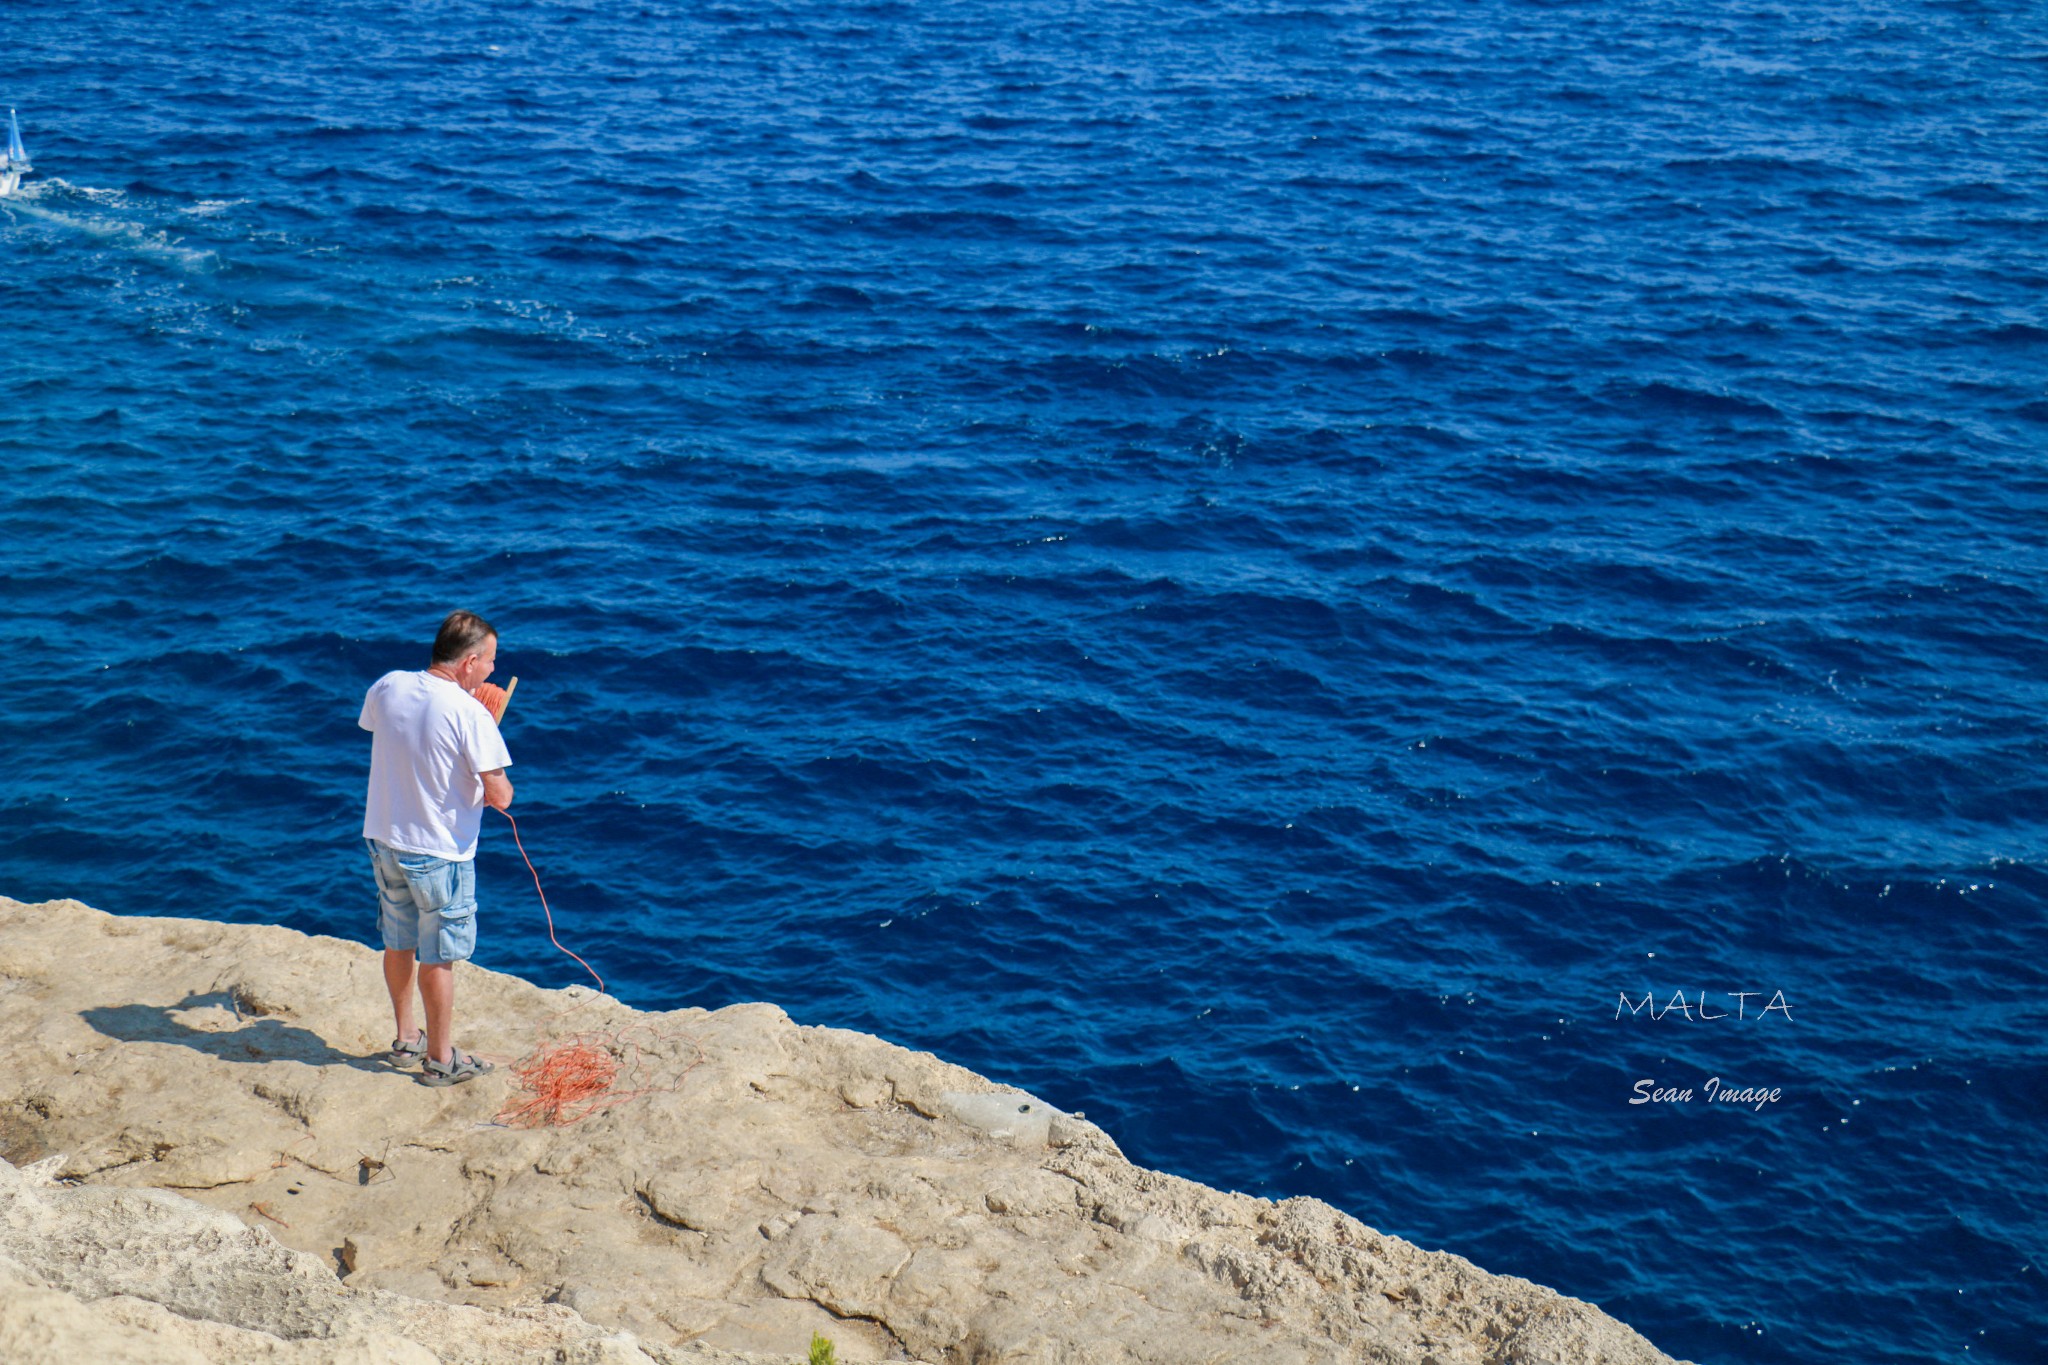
[{"x": 243, "y": 1038}]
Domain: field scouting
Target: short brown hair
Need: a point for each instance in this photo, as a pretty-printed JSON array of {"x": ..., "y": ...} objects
[{"x": 460, "y": 635}]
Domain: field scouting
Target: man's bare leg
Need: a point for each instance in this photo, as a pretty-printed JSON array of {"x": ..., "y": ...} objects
[
  {"x": 398, "y": 975},
  {"x": 437, "y": 992}
]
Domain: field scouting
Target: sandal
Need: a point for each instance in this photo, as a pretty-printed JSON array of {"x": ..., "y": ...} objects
[
  {"x": 457, "y": 1069},
  {"x": 405, "y": 1054}
]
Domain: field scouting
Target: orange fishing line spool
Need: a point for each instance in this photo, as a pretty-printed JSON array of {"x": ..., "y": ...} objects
[{"x": 494, "y": 697}]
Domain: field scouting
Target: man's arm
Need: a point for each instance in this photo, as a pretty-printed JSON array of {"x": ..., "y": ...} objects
[{"x": 497, "y": 789}]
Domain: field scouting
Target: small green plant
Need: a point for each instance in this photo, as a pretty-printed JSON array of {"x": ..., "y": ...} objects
[{"x": 822, "y": 1352}]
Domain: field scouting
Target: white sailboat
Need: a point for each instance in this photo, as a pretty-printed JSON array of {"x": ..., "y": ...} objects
[{"x": 16, "y": 165}]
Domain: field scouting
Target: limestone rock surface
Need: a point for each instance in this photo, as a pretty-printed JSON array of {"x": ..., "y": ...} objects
[
  {"x": 219, "y": 1164},
  {"x": 114, "y": 1275}
]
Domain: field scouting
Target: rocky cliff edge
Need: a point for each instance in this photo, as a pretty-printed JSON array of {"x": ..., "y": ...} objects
[{"x": 207, "y": 1158}]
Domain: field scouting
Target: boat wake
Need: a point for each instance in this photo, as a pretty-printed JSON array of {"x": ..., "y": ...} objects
[{"x": 35, "y": 202}]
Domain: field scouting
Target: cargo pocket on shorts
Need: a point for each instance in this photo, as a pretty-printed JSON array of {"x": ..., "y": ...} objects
[{"x": 455, "y": 933}]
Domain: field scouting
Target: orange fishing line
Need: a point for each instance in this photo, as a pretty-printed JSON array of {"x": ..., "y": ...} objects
[
  {"x": 568, "y": 1081},
  {"x": 544, "y": 900}
]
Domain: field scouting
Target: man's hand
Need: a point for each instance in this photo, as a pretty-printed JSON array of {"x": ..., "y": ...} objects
[{"x": 497, "y": 789}]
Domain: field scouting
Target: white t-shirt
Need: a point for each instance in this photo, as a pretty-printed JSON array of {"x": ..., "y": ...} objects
[{"x": 430, "y": 744}]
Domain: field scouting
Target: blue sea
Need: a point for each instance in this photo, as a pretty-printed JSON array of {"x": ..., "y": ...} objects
[{"x": 1265, "y": 571}]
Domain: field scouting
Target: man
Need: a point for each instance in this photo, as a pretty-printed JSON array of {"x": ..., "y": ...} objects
[{"x": 436, "y": 760}]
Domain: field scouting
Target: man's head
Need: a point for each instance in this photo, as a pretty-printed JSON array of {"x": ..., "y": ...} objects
[{"x": 466, "y": 647}]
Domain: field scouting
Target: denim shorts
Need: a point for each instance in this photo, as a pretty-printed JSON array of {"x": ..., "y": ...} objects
[{"x": 427, "y": 905}]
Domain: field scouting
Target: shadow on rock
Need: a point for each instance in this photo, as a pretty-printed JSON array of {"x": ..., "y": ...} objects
[{"x": 214, "y": 1024}]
